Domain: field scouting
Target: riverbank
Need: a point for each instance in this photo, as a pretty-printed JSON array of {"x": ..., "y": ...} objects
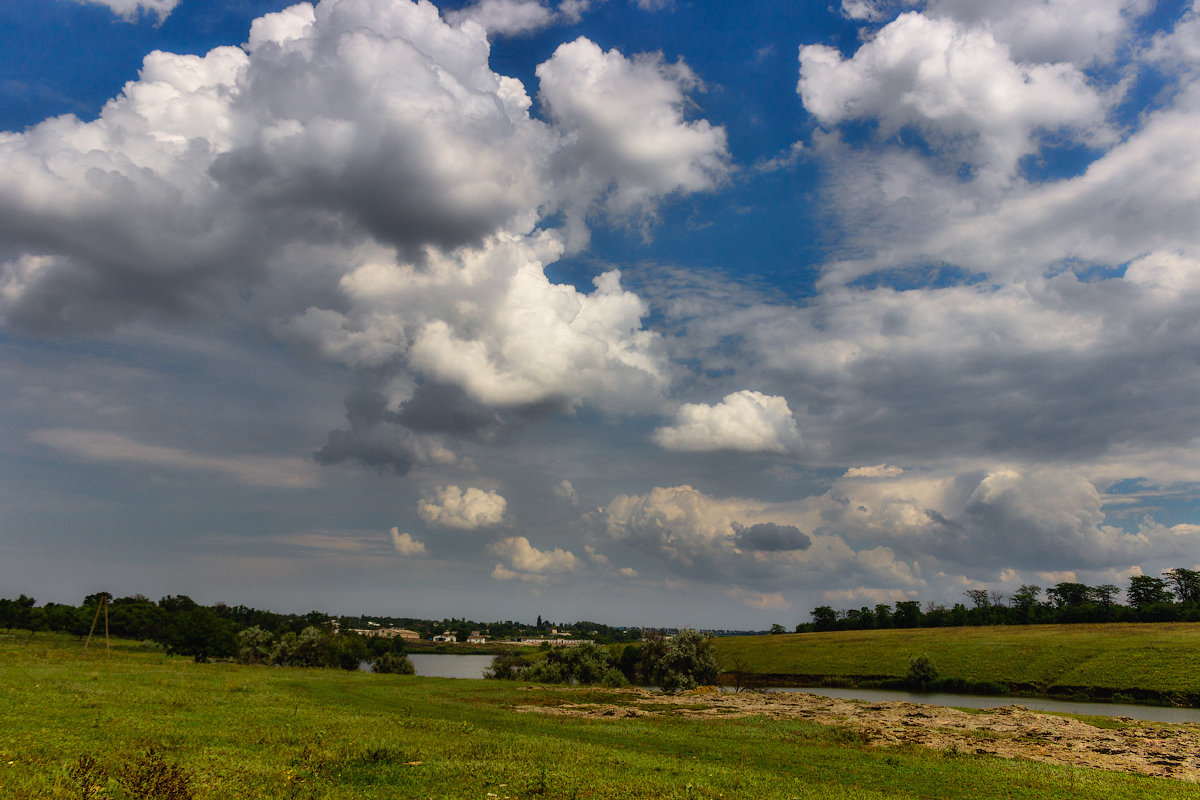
[
  {"x": 1167, "y": 750},
  {"x": 1138, "y": 663}
]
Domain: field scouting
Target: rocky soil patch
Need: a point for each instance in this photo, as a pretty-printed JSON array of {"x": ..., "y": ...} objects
[{"x": 1146, "y": 748}]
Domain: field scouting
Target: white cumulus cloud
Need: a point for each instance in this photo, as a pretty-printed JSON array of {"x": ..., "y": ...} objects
[
  {"x": 506, "y": 16},
  {"x": 747, "y": 420},
  {"x": 452, "y": 507},
  {"x": 406, "y": 545},
  {"x": 528, "y": 563},
  {"x": 958, "y": 86}
]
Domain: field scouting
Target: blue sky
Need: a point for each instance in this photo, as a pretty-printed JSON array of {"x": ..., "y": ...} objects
[{"x": 629, "y": 310}]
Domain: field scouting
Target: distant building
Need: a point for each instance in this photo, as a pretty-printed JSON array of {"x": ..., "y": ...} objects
[
  {"x": 387, "y": 633},
  {"x": 446, "y": 636}
]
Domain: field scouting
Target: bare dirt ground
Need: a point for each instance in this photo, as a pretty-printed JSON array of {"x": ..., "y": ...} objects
[{"x": 1165, "y": 750}]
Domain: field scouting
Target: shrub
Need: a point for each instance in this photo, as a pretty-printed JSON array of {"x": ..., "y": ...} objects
[
  {"x": 587, "y": 664},
  {"x": 921, "y": 673},
  {"x": 507, "y": 666},
  {"x": 684, "y": 662},
  {"x": 393, "y": 664},
  {"x": 152, "y": 777}
]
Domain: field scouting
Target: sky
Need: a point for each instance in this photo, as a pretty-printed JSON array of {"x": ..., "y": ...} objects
[{"x": 648, "y": 312}]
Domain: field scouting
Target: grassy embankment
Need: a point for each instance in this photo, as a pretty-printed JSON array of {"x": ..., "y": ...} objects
[
  {"x": 1149, "y": 662},
  {"x": 259, "y": 732}
]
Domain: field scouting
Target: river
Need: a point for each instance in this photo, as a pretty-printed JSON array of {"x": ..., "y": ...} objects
[{"x": 433, "y": 665}]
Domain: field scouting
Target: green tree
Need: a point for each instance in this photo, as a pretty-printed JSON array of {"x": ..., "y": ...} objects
[
  {"x": 255, "y": 646},
  {"x": 1145, "y": 590},
  {"x": 1186, "y": 583},
  {"x": 824, "y": 618},
  {"x": 686, "y": 661},
  {"x": 979, "y": 598},
  {"x": 921, "y": 673},
  {"x": 198, "y": 631},
  {"x": 908, "y": 614},
  {"x": 1069, "y": 595}
]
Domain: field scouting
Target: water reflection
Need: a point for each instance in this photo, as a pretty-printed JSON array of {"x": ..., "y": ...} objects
[{"x": 437, "y": 665}]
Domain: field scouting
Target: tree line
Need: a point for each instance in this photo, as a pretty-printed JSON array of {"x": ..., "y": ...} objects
[
  {"x": 1174, "y": 597},
  {"x": 184, "y": 627}
]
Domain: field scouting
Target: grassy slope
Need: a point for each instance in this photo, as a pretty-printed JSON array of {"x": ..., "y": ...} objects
[
  {"x": 257, "y": 732},
  {"x": 1155, "y": 657}
]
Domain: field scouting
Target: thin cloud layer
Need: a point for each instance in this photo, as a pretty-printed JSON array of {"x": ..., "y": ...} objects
[
  {"x": 113, "y": 448},
  {"x": 130, "y": 10}
]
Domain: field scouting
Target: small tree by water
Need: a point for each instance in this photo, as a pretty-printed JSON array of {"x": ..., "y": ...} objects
[{"x": 921, "y": 673}]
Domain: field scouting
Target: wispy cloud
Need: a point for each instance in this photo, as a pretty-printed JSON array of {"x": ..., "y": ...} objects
[{"x": 113, "y": 448}]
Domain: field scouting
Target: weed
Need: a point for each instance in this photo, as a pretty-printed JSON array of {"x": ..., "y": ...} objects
[
  {"x": 849, "y": 736},
  {"x": 90, "y": 778},
  {"x": 152, "y": 777},
  {"x": 538, "y": 785}
]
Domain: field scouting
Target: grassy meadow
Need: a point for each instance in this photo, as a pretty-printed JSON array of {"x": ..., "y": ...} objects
[
  {"x": 78, "y": 726},
  {"x": 1129, "y": 659}
]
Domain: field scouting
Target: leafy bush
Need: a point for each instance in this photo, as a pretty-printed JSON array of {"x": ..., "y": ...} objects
[
  {"x": 586, "y": 664},
  {"x": 255, "y": 646},
  {"x": 921, "y": 673},
  {"x": 684, "y": 662},
  {"x": 394, "y": 664}
]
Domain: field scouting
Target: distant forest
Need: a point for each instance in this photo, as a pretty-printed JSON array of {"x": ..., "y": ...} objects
[
  {"x": 183, "y": 627},
  {"x": 1175, "y": 597}
]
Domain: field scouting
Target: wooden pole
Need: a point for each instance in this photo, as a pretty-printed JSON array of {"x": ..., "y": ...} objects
[
  {"x": 94, "y": 619},
  {"x": 107, "y": 646}
]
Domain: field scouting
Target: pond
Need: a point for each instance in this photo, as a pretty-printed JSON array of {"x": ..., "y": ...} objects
[
  {"x": 435, "y": 665},
  {"x": 1148, "y": 713}
]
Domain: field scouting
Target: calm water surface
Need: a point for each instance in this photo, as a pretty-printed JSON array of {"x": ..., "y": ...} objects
[
  {"x": 1149, "y": 713},
  {"x": 436, "y": 665}
]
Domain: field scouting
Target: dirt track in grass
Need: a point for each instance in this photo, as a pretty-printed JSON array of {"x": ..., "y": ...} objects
[{"x": 1165, "y": 750}]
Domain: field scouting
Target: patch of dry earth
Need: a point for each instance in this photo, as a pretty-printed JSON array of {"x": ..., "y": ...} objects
[{"x": 1165, "y": 750}]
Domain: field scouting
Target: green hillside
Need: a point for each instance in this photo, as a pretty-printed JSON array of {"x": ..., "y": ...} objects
[
  {"x": 1130, "y": 659},
  {"x": 106, "y": 728}
]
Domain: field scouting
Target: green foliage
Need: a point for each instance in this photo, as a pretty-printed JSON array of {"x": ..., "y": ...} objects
[
  {"x": 921, "y": 673},
  {"x": 255, "y": 646},
  {"x": 684, "y": 662},
  {"x": 393, "y": 664},
  {"x": 586, "y": 664},
  {"x": 1145, "y": 590}
]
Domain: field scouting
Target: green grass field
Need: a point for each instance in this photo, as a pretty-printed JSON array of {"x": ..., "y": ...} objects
[
  {"x": 1158, "y": 658},
  {"x": 260, "y": 732}
]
